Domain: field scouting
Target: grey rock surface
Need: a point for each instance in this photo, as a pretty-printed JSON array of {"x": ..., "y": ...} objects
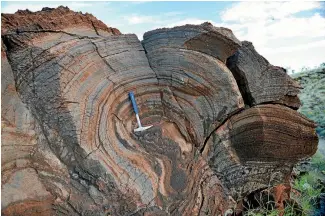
[{"x": 259, "y": 81}]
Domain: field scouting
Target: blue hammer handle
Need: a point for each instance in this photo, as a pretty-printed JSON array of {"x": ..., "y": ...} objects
[{"x": 134, "y": 103}]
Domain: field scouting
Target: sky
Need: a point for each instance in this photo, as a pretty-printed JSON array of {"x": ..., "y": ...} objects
[{"x": 288, "y": 34}]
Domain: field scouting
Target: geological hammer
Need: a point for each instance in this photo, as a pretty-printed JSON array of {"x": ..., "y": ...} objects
[{"x": 135, "y": 108}]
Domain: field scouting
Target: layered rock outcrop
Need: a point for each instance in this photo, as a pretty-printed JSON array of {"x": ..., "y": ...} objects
[
  {"x": 68, "y": 144},
  {"x": 259, "y": 81}
]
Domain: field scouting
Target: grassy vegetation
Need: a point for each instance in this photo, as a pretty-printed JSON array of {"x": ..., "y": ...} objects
[
  {"x": 308, "y": 191},
  {"x": 308, "y": 188},
  {"x": 313, "y": 96},
  {"x": 306, "y": 195}
]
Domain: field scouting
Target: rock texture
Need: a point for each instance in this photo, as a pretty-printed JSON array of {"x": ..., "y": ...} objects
[
  {"x": 261, "y": 82},
  {"x": 54, "y": 20},
  {"x": 198, "y": 89},
  {"x": 261, "y": 140},
  {"x": 68, "y": 146}
]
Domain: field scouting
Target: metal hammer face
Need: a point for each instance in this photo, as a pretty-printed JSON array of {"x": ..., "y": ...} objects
[
  {"x": 139, "y": 129},
  {"x": 135, "y": 108}
]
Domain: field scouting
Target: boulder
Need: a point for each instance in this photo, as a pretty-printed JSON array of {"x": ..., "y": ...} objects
[{"x": 68, "y": 139}]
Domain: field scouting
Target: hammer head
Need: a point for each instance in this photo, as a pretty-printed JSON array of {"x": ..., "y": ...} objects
[{"x": 139, "y": 129}]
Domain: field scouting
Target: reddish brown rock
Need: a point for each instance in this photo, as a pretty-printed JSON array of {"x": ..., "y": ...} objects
[
  {"x": 67, "y": 122},
  {"x": 54, "y": 20}
]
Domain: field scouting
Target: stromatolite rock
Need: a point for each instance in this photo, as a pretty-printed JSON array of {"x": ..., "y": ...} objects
[
  {"x": 67, "y": 122},
  {"x": 259, "y": 81},
  {"x": 258, "y": 141},
  {"x": 193, "y": 75}
]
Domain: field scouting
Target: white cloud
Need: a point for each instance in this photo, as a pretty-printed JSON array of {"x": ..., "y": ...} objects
[
  {"x": 311, "y": 55},
  {"x": 298, "y": 47},
  {"x": 251, "y": 11},
  {"x": 37, "y": 6},
  {"x": 157, "y": 19},
  {"x": 277, "y": 32},
  {"x": 292, "y": 27},
  {"x": 140, "y": 19}
]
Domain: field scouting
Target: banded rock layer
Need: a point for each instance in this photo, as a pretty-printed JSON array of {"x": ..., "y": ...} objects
[{"x": 67, "y": 122}]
